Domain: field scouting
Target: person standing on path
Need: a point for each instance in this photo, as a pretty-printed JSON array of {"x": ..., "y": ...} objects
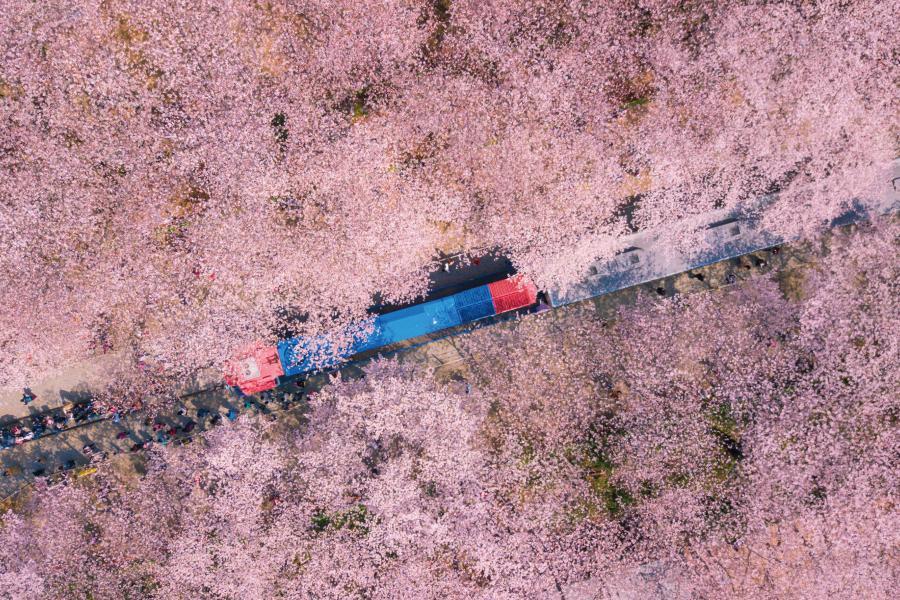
[{"x": 27, "y": 396}]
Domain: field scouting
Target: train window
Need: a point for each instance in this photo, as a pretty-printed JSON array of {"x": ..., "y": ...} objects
[
  {"x": 734, "y": 230},
  {"x": 593, "y": 270},
  {"x": 633, "y": 258}
]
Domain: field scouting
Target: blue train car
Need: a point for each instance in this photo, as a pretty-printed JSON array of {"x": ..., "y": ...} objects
[{"x": 300, "y": 355}]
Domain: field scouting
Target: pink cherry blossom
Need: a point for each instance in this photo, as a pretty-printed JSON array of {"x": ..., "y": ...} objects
[
  {"x": 737, "y": 442},
  {"x": 178, "y": 179}
]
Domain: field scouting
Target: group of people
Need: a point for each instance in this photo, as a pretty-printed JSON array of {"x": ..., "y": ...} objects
[
  {"x": 52, "y": 421},
  {"x": 33, "y": 427},
  {"x": 162, "y": 433},
  {"x": 165, "y": 433}
]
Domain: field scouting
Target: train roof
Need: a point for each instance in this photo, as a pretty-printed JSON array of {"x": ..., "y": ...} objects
[{"x": 254, "y": 369}]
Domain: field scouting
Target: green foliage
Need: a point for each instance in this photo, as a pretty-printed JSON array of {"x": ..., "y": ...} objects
[
  {"x": 149, "y": 584},
  {"x": 724, "y": 469},
  {"x": 356, "y": 519},
  {"x": 678, "y": 479},
  {"x": 724, "y": 425},
  {"x": 613, "y": 499},
  {"x": 320, "y": 520},
  {"x": 527, "y": 453},
  {"x": 440, "y": 15},
  {"x": 360, "y": 106},
  {"x": 637, "y": 102},
  {"x": 648, "y": 489},
  {"x": 722, "y": 421}
]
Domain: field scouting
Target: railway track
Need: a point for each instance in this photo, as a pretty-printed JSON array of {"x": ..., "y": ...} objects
[{"x": 738, "y": 247}]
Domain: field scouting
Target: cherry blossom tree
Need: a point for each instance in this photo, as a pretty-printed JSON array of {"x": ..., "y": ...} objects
[
  {"x": 178, "y": 180},
  {"x": 386, "y": 485},
  {"x": 735, "y": 443}
]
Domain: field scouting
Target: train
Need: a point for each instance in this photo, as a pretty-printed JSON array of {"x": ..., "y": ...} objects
[
  {"x": 262, "y": 367},
  {"x": 645, "y": 257}
]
